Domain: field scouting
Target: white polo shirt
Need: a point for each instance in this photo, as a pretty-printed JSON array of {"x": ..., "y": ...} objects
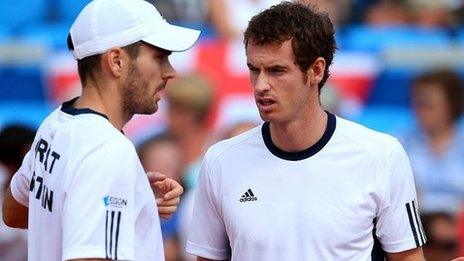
[
  {"x": 350, "y": 196},
  {"x": 87, "y": 193}
]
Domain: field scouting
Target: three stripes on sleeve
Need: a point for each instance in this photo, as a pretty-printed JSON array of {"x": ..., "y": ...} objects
[
  {"x": 113, "y": 220},
  {"x": 416, "y": 225}
]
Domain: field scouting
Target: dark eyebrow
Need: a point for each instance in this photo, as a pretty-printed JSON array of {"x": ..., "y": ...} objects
[
  {"x": 277, "y": 67},
  {"x": 251, "y": 66}
]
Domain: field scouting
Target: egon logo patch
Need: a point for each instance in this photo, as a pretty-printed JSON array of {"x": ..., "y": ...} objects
[{"x": 114, "y": 201}]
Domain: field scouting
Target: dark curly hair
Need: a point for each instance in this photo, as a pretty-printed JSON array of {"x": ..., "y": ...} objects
[{"x": 311, "y": 32}]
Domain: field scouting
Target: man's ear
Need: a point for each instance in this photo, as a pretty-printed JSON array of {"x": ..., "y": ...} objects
[
  {"x": 116, "y": 61},
  {"x": 316, "y": 71}
]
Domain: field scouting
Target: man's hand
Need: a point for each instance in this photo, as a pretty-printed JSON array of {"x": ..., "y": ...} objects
[{"x": 167, "y": 193}]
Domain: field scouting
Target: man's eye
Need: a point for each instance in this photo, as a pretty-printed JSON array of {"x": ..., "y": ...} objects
[{"x": 277, "y": 71}]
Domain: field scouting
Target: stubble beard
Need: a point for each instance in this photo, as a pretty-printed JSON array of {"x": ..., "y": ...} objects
[{"x": 135, "y": 99}]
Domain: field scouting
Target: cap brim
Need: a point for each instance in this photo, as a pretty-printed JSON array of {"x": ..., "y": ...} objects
[{"x": 173, "y": 38}]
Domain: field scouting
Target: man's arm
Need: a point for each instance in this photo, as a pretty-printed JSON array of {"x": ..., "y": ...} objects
[
  {"x": 14, "y": 214},
  {"x": 409, "y": 255}
]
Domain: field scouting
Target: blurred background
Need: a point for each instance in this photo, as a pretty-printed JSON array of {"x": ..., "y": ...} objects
[{"x": 398, "y": 69}]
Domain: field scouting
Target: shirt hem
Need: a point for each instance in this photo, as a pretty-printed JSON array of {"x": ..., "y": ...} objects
[
  {"x": 206, "y": 252},
  {"x": 401, "y": 246},
  {"x": 96, "y": 252}
]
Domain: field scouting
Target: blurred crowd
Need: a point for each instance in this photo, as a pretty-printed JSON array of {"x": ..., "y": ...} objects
[
  {"x": 229, "y": 18},
  {"x": 434, "y": 141}
]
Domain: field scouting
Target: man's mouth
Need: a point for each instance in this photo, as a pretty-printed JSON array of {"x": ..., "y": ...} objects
[{"x": 266, "y": 101}]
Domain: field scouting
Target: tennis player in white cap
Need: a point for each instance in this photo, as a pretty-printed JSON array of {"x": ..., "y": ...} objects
[{"x": 81, "y": 190}]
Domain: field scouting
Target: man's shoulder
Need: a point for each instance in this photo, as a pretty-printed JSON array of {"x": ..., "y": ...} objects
[
  {"x": 105, "y": 139},
  {"x": 94, "y": 127},
  {"x": 86, "y": 132},
  {"x": 235, "y": 144},
  {"x": 80, "y": 125},
  {"x": 374, "y": 142}
]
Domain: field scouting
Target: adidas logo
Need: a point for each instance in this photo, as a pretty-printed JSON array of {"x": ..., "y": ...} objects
[{"x": 248, "y": 196}]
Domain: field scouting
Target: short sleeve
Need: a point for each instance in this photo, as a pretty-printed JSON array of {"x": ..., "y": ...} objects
[
  {"x": 207, "y": 235},
  {"x": 99, "y": 212},
  {"x": 398, "y": 225},
  {"x": 20, "y": 182}
]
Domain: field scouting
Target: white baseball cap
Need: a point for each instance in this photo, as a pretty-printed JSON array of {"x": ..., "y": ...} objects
[{"x": 105, "y": 24}]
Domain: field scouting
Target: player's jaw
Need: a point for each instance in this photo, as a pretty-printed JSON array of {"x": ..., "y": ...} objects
[
  {"x": 153, "y": 98},
  {"x": 139, "y": 94},
  {"x": 148, "y": 102}
]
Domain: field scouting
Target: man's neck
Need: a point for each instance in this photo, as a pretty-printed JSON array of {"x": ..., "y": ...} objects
[
  {"x": 110, "y": 105},
  {"x": 299, "y": 134}
]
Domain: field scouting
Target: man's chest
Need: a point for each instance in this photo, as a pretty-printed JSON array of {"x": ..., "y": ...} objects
[{"x": 289, "y": 204}]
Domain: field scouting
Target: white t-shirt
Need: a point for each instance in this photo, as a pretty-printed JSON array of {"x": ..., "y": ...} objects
[
  {"x": 87, "y": 193},
  {"x": 347, "y": 197}
]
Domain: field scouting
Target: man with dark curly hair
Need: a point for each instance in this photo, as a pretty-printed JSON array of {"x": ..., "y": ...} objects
[{"x": 306, "y": 184}]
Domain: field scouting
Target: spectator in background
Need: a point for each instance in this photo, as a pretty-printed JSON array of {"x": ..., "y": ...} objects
[
  {"x": 387, "y": 13},
  {"x": 162, "y": 154},
  {"x": 15, "y": 141},
  {"x": 442, "y": 236},
  {"x": 338, "y": 10},
  {"x": 186, "y": 206},
  {"x": 228, "y": 17},
  {"x": 194, "y": 12},
  {"x": 437, "y": 158},
  {"x": 436, "y": 13},
  {"x": 435, "y": 146},
  {"x": 423, "y": 13},
  {"x": 189, "y": 102}
]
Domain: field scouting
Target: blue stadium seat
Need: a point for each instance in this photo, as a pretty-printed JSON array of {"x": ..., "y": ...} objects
[
  {"x": 392, "y": 88},
  {"x": 5, "y": 34},
  {"x": 375, "y": 39},
  {"x": 15, "y": 13},
  {"x": 24, "y": 83},
  {"x": 69, "y": 9},
  {"x": 49, "y": 34},
  {"x": 460, "y": 37},
  {"x": 23, "y": 112},
  {"x": 389, "y": 119}
]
